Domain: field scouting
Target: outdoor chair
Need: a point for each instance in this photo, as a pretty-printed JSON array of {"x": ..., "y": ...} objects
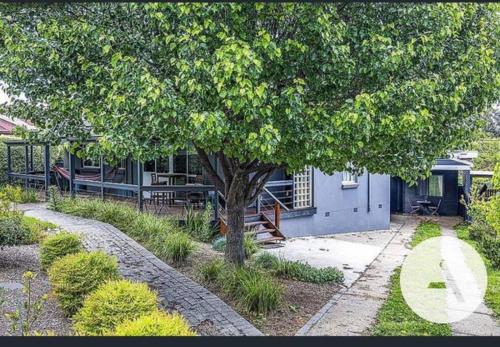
[
  {"x": 434, "y": 209},
  {"x": 415, "y": 208}
]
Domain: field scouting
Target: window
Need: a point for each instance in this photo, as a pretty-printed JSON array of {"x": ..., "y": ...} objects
[
  {"x": 90, "y": 163},
  {"x": 348, "y": 177},
  {"x": 436, "y": 185}
]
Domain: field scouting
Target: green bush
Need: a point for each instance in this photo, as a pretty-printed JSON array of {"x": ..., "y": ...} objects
[
  {"x": 157, "y": 323},
  {"x": 55, "y": 199},
  {"x": 250, "y": 246},
  {"x": 299, "y": 271},
  {"x": 57, "y": 246},
  {"x": 199, "y": 224},
  {"x": 16, "y": 229},
  {"x": 176, "y": 246},
  {"x": 18, "y": 195},
  {"x": 210, "y": 271},
  {"x": 76, "y": 275},
  {"x": 113, "y": 303},
  {"x": 255, "y": 291}
]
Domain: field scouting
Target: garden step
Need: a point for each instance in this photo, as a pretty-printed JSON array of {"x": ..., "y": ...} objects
[
  {"x": 261, "y": 231},
  {"x": 270, "y": 239},
  {"x": 260, "y": 222}
]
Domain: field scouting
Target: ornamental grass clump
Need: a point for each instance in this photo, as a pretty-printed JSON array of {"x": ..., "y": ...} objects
[
  {"x": 157, "y": 323},
  {"x": 299, "y": 271},
  {"x": 57, "y": 246},
  {"x": 113, "y": 303},
  {"x": 175, "y": 246},
  {"x": 210, "y": 271},
  {"x": 76, "y": 275}
]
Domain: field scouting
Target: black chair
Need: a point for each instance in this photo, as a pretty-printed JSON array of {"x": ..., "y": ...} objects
[
  {"x": 415, "y": 208},
  {"x": 434, "y": 209}
]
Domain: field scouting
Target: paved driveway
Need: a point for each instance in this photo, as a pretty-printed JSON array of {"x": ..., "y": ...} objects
[{"x": 351, "y": 252}]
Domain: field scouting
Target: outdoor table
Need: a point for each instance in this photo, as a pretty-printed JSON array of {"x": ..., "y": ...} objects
[{"x": 424, "y": 207}]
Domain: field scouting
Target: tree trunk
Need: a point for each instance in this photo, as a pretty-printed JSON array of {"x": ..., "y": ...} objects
[{"x": 236, "y": 205}]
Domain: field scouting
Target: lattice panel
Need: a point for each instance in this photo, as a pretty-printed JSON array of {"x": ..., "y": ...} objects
[{"x": 302, "y": 189}]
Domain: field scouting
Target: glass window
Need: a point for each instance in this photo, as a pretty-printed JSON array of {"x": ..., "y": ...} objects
[
  {"x": 162, "y": 165},
  {"x": 348, "y": 177},
  {"x": 91, "y": 163},
  {"x": 180, "y": 162},
  {"x": 436, "y": 185},
  {"x": 149, "y": 166},
  {"x": 194, "y": 165}
]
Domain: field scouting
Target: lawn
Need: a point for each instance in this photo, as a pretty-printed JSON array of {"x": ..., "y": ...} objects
[
  {"x": 492, "y": 296},
  {"x": 396, "y": 318}
]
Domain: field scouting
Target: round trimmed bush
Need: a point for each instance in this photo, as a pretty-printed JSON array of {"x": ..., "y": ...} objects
[
  {"x": 76, "y": 275},
  {"x": 157, "y": 323},
  {"x": 57, "y": 246},
  {"x": 112, "y": 304}
]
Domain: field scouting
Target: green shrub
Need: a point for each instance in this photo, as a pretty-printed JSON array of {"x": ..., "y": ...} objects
[
  {"x": 176, "y": 246},
  {"x": 57, "y": 246},
  {"x": 16, "y": 229},
  {"x": 157, "y": 323},
  {"x": 18, "y": 195},
  {"x": 36, "y": 228},
  {"x": 113, "y": 303},
  {"x": 210, "y": 271},
  {"x": 199, "y": 224},
  {"x": 219, "y": 244},
  {"x": 255, "y": 291},
  {"x": 298, "y": 270},
  {"x": 55, "y": 199},
  {"x": 76, "y": 275},
  {"x": 250, "y": 246}
]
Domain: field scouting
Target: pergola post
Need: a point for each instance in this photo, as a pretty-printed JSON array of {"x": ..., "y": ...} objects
[
  {"x": 9, "y": 163},
  {"x": 47, "y": 170},
  {"x": 26, "y": 165},
  {"x": 71, "y": 165},
  {"x": 101, "y": 166},
  {"x": 31, "y": 159},
  {"x": 140, "y": 173}
]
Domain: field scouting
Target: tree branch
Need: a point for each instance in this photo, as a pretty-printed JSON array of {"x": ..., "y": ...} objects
[{"x": 205, "y": 161}]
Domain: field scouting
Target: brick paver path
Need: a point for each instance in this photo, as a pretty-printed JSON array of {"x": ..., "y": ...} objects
[{"x": 199, "y": 306}]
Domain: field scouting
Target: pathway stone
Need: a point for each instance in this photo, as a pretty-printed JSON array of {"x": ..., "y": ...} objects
[
  {"x": 353, "y": 310},
  {"x": 198, "y": 305},
  {"x": 482, "y": 321}
]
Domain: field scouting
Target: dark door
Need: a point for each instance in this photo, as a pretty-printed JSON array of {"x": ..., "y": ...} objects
[{"x": 396, "y": 194}]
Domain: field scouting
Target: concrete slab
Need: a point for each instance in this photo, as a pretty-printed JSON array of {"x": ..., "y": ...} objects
[{"x": 350, "y": 252}]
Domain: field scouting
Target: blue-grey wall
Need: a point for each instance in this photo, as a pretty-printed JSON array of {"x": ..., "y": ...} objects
[{"x": 336, "y": 207}]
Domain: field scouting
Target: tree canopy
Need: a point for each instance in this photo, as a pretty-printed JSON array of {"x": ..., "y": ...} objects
[{"x": 384, "y": 87}]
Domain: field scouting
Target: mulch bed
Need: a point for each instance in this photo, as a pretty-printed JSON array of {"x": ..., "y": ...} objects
[{"x": 300, "y": 300}]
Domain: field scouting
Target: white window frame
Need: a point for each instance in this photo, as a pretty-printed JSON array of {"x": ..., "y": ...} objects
[
  {"x": 93, "y": 166},
  {"x": 349, "y": 180}
]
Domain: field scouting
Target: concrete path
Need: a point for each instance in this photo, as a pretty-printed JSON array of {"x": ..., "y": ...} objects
[
  {"x": 203, "y": 310},
  {"x": 482, "y": 322},
  {"x": 353, "y": 310}
]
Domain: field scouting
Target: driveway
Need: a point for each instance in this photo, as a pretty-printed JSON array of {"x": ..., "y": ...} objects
[{"x": 351, "y": 252}]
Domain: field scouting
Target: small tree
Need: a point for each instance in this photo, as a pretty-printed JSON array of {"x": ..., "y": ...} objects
[{"x": 261, "y": 86}]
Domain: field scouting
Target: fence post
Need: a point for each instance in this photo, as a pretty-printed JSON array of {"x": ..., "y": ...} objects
[
  {"x": 72, "y": 163},
  {"x": 9, "y": 163},
  {"x": 101, "y": 166},
  {"x": 47, "y": 171},
  {"x": 140, "y": 173},
  {"x": 26, "y": 165}
]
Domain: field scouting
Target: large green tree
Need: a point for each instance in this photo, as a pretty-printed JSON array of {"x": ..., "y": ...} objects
[{"x": 261, "y": 86}]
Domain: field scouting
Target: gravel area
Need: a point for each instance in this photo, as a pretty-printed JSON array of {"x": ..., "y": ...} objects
[{"x": 14, "y": 261}]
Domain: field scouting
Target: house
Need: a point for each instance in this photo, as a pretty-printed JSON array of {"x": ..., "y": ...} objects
[
  {"x": 450, "y": 181},
  {"x": 8, "y": 125},
  {"x": 309, "y": 203}
]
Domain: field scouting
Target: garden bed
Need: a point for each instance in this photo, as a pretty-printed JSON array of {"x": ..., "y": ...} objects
[
  {"x": 301, "y": 300},
  {"x": 14, "y": 261}
]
